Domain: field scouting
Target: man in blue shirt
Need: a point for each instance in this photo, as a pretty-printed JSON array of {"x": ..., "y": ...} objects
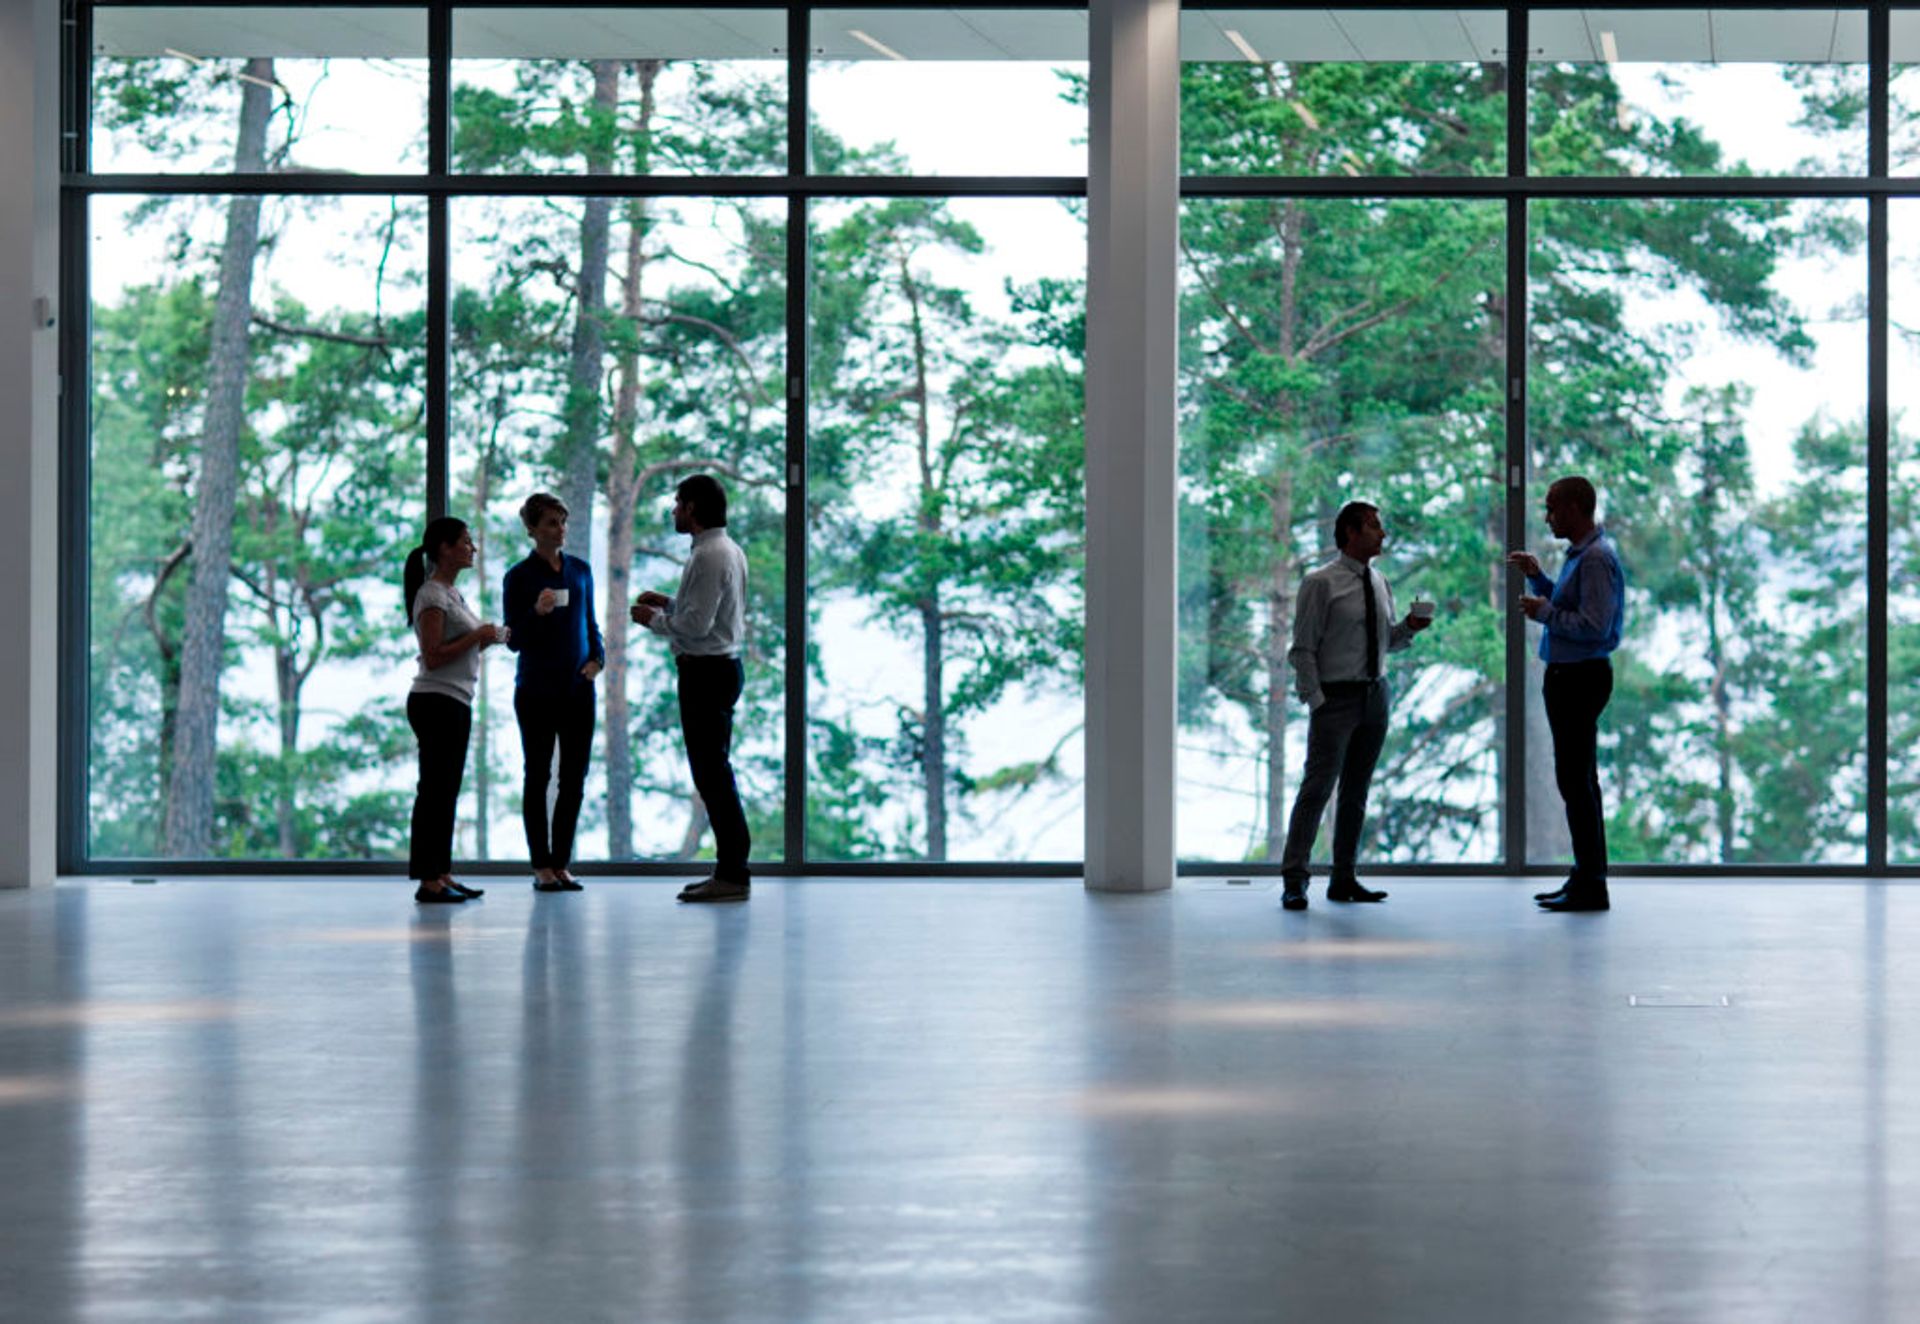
[{"x": 1582, "y": 614}]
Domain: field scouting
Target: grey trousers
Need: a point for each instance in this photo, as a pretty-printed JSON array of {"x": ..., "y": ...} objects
[{"x": 1344, "y": 739}]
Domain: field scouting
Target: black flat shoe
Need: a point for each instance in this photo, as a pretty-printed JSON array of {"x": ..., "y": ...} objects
[
  {"x": 444, "y": 896},
  {"x": 555, "y": 886},
  {"x": 1578, "y": 900},
  {"x": 468, "y": 892},
  {"x": 1352, "y": 891},
  {"x": 570, "y": 885}
]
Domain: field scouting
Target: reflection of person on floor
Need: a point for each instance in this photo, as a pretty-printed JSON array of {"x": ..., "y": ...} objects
[
  {"x": 704, "y": 622},
  {"x": 1343, "y": 628},
  {"x": 549, "y": 607},
  {"x": 440, "y": 707},
  {"x": 1583, "y": 613}
]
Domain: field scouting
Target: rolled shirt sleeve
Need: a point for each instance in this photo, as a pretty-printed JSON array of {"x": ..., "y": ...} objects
[
  {"x": 689, "y": 614},
  {"x": 1593, "y": 621}
]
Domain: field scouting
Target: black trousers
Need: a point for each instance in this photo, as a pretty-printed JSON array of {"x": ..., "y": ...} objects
[
  {"x": 1576, "y": 693},
  {"x": 709, "y": 688},
  {"x": 441, "y": 725},
  {"x": 545, "y": 716},
  {"x": 1344, "y": 739}
]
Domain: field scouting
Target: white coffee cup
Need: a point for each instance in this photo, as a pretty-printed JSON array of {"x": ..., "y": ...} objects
[
  {"x": 1423, "y": 610},
  {"x": 562, "y": 596}
]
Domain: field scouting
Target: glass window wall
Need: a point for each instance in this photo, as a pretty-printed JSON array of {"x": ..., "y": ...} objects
[{"x": 257, "y": 472}]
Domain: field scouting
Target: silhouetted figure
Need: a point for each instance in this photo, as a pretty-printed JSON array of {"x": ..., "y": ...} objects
[
  {"x": 705, "y": 622},
  {"x": 1582, "y": 614},
  {"x": 440, "y": 707},
  {"x": 1343, "y": 628},
  {"x": 549, "y": 609}
]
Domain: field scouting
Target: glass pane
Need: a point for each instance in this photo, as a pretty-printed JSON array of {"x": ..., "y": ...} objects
[
  {"x": 604, "y": 349},
  {"x": 619, "y": 91},
  {"x": 272, "y": 406},
  {"x": 1713, "y": 387},
  {"x": 949, "y": 92},
  {"x": 1699, "y": 91},
  {"x": 257, "y": 88},
  {"x": 1335, "y": 350},
  {"x": 1903, "y": 590},
  {"x": 1342, "y": 91},
  {"x": 945, "y": 530},
  {"x": 1904, "y": 91}
]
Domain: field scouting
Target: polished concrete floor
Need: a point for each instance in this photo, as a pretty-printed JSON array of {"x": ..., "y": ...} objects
[{"x": 967, "y": 1101}]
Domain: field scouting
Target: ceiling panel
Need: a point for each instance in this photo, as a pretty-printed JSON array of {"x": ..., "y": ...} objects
[
  {"x": 953, "y": 34},
  {"x": 1701, "y": 36},
  {"x": 247, "y": 31},
  {"x": 585, "y": 34},
  {"x": 1371, "y": 35}
]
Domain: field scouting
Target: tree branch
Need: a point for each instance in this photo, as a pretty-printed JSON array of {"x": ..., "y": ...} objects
[{"x": 318, "y": 333}]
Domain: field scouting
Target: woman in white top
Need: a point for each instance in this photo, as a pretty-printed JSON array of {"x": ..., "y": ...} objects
[{"x": 440, "y": 708}]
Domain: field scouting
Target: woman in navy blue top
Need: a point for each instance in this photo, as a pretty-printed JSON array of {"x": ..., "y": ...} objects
[{"x": 549, "y": 610}]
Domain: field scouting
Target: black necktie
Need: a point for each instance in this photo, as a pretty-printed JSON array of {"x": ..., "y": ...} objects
[{"x": 1373, "y": 625}]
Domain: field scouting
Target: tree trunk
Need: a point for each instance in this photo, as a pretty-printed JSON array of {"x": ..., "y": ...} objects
[
  {"x": 1279, "y": 638},
  {"x": 696, "y": 829},
  {"x": 286, "y": 669},
  {"x": 1722, "y": 714},
  {"x": 1280, "y": 585},
  {"x": 580, "y": 460},
  {"x": 482, "y": 709},
  {"x": 933, "y": 724},
  {"x": 203, "y": 636},
  {"x": 623, "y": 497}
]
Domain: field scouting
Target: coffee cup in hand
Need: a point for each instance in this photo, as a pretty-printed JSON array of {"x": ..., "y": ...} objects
[
  {"x": 1423, "y": 610},
  {"x": 561, "y": 596}
]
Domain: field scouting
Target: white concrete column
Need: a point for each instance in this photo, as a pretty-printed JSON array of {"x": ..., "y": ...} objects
[
  {"x": 1132, "y": 233},
  {"x": 29, "y": 438}
]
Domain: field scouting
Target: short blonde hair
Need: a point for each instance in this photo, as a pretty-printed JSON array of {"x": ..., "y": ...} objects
[{"x": 535, "y": 508}]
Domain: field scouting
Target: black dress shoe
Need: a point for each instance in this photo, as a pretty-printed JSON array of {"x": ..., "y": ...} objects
[
  {"x": 1579, "y": 898},
  {"x": 570, "y": 885},
  {"x": 554, "y": 885},
  {"x": 1293, "y": 896},
  {"x": 468, "y": 892},
  {"x": 444, "y": 896},
  {"x": 1554, "y": 895},
  {"x": 1350, "y": 890},
  {"x": 716, "y": 890}
]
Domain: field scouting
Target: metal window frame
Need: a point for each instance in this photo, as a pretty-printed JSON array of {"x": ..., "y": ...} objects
[{"x": 437, "y": 185}]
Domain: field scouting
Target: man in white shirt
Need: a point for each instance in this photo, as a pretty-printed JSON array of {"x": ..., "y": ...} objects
[
  {"x": 704, "y": 622},
  {"x": 1343, "y": 628}
]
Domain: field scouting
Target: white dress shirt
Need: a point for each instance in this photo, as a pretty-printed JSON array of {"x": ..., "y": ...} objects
[
  {"x": 1330, "y": 627},
  {"x": 708, "y": 616}
]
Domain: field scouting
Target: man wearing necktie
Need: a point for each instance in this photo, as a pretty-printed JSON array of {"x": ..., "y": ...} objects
[
  {"x": 1343, "y": 628},
  {"x": 1583, "y": 614}
]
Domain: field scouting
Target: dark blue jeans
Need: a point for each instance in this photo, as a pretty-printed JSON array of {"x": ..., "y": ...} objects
[{"x": 709, "y": 688}]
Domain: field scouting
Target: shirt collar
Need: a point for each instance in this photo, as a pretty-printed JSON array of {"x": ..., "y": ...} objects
[
  {"x": 709, "y": 535},
  {"x": 1353, "y": 563}
]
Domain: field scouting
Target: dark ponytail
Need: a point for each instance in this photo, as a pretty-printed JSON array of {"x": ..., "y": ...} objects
[{"x": 439, "y": 533}]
